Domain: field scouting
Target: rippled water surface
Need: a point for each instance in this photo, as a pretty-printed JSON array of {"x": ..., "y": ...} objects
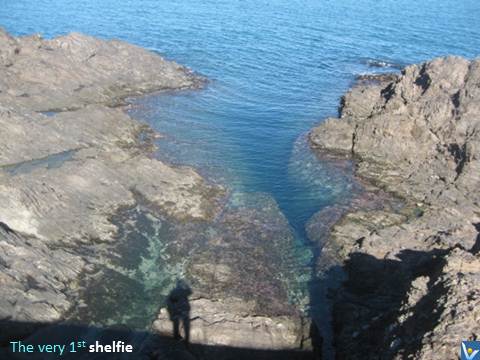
[{"x": 276, "y": 68}]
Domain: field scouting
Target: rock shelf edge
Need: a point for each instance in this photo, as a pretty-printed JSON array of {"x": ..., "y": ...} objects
[
  {"x": 71, "y": 160},
  {"x": 411, "y": 285}
]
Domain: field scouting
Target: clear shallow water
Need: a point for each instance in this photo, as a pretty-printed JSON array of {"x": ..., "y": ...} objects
[{"x": 276, "y": 68}]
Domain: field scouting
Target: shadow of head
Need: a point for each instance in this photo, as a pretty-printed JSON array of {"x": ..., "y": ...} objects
[{"x": 178, "y": 298}]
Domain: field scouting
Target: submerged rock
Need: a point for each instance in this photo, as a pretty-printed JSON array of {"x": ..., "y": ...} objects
[
  {"x": 88, "y": 214},
  {"x": 63, "y": 176},
  {"x": 245, "y": 281},
  {"x": 411, "y": 273}
]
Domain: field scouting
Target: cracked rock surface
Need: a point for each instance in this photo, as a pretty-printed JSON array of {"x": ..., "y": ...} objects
[
  {"x": 411, "y": 288},
  {"x": 73, "y": 70},
  {"x": 91, "y": 222},
  {"x": 62, "y": 175},
  {"x": 230, "y": 322}
]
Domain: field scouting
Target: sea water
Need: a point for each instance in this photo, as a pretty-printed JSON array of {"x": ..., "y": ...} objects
[{"x": 275, "y": 68}]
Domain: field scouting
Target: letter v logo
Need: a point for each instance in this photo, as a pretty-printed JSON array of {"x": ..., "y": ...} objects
[{"x": 470, "y": 350}]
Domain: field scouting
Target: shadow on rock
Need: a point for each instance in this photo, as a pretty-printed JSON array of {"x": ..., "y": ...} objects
[
  {"x": 476, "y": 247},
  {"x": 178, "y": 307},
  {"x": 384, "y": 302}
]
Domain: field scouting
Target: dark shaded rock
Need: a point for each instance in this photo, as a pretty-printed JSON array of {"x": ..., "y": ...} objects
[
  {"x": 410, "y": 271},
  {"x": 369, "y": 79}
]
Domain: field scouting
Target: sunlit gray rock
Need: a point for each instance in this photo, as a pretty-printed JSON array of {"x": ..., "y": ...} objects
[
  {"x": 73, "y": 70},
  {"x": 63, "y": 175},
  {"x": 412, "y": 273},
  {"x": 234, "y": 322},
  {"x": 93, "y": 226}
]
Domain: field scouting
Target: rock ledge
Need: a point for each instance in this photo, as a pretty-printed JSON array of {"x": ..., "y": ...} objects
[{"x": 412, "y": 285}]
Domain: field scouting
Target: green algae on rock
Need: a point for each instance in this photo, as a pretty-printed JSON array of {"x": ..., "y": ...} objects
[{"x": 95, "y": 229}]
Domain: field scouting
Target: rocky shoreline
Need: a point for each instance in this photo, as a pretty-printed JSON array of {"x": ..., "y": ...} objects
[
  {"x": 92, "y": 223},
  {"x": 93, "y": 227},
  {"x": 404, "y": 280}
]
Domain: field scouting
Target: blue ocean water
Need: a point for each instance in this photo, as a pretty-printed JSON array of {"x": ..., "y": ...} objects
[{"x": 276, "y": 68}]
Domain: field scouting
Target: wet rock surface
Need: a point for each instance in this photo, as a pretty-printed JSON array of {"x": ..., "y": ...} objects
[
  {"x": 64, "y": 175},
  {"x": 245, "y": 278},
  {"x": 95, "y": 229},
  {"x": 410, "y": 273}
]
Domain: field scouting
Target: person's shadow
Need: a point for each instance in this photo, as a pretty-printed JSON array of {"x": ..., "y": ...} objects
[{"x": 178, "y": 308}]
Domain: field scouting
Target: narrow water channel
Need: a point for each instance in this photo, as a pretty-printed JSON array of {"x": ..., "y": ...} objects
[{"x": 275, "y": 69}]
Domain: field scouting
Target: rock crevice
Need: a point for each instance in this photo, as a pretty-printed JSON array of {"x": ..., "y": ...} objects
[
  {"x": 94, "y": 228},
  {"x": 411, "y": 285}
]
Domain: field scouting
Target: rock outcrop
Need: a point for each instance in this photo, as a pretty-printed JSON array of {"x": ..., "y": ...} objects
[
  {"x": 92, "y": 225},
  {"x": 68, "y": 72},
  {"x": 64, "y": 174},
  {"x": 412, "y": 273},
  {"x": 242, "y": 276}
]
